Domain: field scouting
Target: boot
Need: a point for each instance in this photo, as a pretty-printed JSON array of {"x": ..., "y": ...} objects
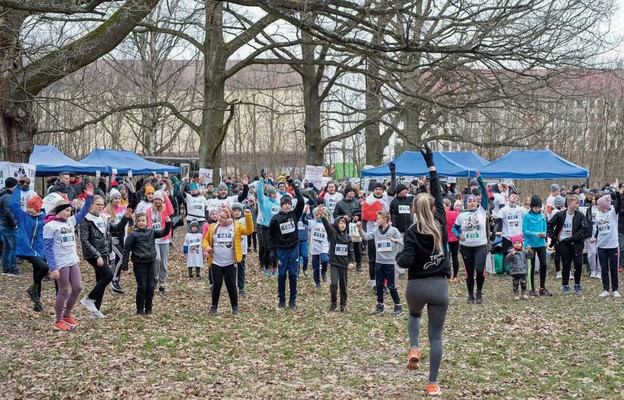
[{"x": 398, "y": 310}]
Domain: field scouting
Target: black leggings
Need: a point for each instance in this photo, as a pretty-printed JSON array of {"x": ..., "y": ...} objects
[
  {"x": 541, "y": 255},
  {"x": 474, "y": 260},
  {"x": 228, "y": 274},
  {"x": 357, "y": 251},
  {"x": 103, "y": 276},
  {"x": 40, "y": 270},
  {"x": 454, "y": 249}
]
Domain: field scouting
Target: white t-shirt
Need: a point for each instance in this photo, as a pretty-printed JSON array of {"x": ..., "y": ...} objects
[
  {"x": 223, "y": 246},
  {"x": 607, "y": 225},
  {"x": 566, "y": 231},
  {"x": 64, "y": 241},
  {"x": 319, "y": 242},
  {"x": 472, "y": 224},
  {"x": 330, "y": 202},
  {"x": 512, "y": 220},
  {"x": 194, "y": 257},
  {"x": 195, "y": 208}
]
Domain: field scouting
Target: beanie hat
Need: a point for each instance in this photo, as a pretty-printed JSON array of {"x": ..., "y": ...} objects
[
  {"x": 160, "y": 195},
  {"x": 222, "y": 185},
  {"x": 604, "y": 201},
  {"x": 286, "y": 199},
  {"x": 212, "y": 209},
  {"x": 113, "y": 194},
  {"x": 194, "y": 224},
  {"x": 348, "y": 189},
  {"x": 574, "y": 187},
  {"x": 193, "y": 186},
  {"x": 237, "y": 206},
  {"x": 378, "y": 185},
  {"x": 414, "y": 182},
  {"x": 400, "y": 187},
  {"x": 297, "y": 182},
  {"x": 61, "y": 205},
  {"x": 559, "y": 202},
  {"x": 554, "y": 187},
  {"x": 10, "y": 182},
  {"x": 458, "y": 205},
  {"x": 114, "y": 184},
  {"x": 473, "y": 182},
  {"x": 149, "y": 189},
  {"x": 35, "y": 203},
  {"x": 517, "y": 238},
  {"x": 536, "y": 201},
  {"x": 476, "y": 191},
  {"x": 471, "y": 197},
  {"x": 271, "y": 190}
]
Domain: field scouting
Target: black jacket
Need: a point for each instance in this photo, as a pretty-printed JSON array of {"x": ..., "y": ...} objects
[
  {"x": 352, "y": 208},
  {"x": 400, "y": 219},
  {"x": 335, "y": 237},
  {"x": 581, "y": 229},
  {"x": 141, "y": 243},
  {"x": 280, "y": 240},
  {"x": 95, "y": 243},
  {"x": 7, "y": 219}
]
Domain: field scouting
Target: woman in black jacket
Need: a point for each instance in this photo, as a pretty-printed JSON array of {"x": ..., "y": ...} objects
[
  {"x": 96, "y": 234},
  {"x": 425, "y": 258}
]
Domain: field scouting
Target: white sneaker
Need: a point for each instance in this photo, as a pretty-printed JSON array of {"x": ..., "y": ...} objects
[
  {"x": 616, "y": 293},
  {"x": 96, "y": 315},
  {"x": 592, "y": 274},
  {"x": 559, "y": 275},
  {"x": 604, "y": 294},
  {"x": 89, "y": 304}
]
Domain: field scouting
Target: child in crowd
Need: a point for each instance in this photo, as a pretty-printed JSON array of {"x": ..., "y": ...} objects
[
  {"x": 59, "y": 242},
  {"x": 386, "y": 240},
  {"x": 518, "y": 266},
  {"x": 141, "y": 242},
  {"x": 319, "y": 247},
  {"x": 192, "y": 249},
  {"x": 237, "y": 211}
]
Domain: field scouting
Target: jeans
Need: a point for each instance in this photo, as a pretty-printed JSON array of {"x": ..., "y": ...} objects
[
  {"x": 287, "y": 262},
  {"x": 386, "y": 272},
  {"x": 241, "y": 273},
  {"x": 609, "y": 263},
  {"x": 103, "y": 276},
  {"x": 319, "y": 265},
  {"x": 303, "y": 254},
  {"x": 9, "y": 240}
]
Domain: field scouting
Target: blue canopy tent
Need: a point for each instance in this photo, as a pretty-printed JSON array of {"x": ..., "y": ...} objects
[
  {"x": 532, "y": 164},
  {"x": 124, "y": 161},
  {"x": 411, "y": 163},
  {"x": 51, "y": 161},
  {"x": 468, "y": 159}
]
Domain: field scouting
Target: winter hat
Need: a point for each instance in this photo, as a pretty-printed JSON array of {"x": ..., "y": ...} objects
[
  {"x": 61, "y": 205},
  {"x": 414, "y": 182},
  {"x": 559, "y": 202},
  {"x": 149, "y": 189},
  {"x": 378, "y": 185},
  {"x": 213, "y": 209},
  {"x": 604, "y": 201},
  {"x": 285, "y": 199},
  {"x": 536, "y": 201},
  {"x": 517, "y": 238},
  {"x": 194, "y": 224},
  {"x": 222, "y": 185},
  {"x": 348, "y": 189},
  {"x": 113, "y": 194},
  {"x": 476, "y": 191},
  {"x": 297, "y": 182},
  {"x": 10, "y": 182},
  {"x": 554, "y": 187},
  {"x": 271, "y": 190},
  {"x": 193, "y": 186},
  {"x": 237, "y": 206},
  {"x": 458, "y": 205},
  {"x": 35, "y": 203},
  {"x": 473, "y": 182},
  {"x": 400, "y": 187},
  {"x": 160, "y": 195},
  {"x": 281, "y": 183},
  {"x": 574, "y": 187},
  {"x": 471, "y": 197}
]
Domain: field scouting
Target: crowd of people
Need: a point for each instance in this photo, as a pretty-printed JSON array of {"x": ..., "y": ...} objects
[{"x": 417, "y": 229}]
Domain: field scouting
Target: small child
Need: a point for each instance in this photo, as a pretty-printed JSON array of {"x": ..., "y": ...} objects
[
  {"x": 141, "y": 242},
  {"x": 192, "y": 249},
  {"x": 341, "y": 258},
  {"x": 518, "y": 267},
  {"x": 387, "y": 240},
  {"x": 319, "y": 247}
]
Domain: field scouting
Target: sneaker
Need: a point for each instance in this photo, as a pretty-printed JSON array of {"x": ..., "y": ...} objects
[
  {"x": 479, "y": 297},
  {"x": 14, "y": 273},
  {"x": 161, "y": 290},
  {"x": 267, "y": 272},
  {"x": 213, "y": 310},
  {"x": 343, "y": 307},
  {"x": 471, "y": 299},
  {"x": 89, "y": 304},
  {"x": 317, "y": 286},
  {"x": 525, "y": 296},
  {"x": 94, "y": 315},
  {"x": 282, "y": 304},
  {"x": 378, "y": 309},
  {"x": 116, "y": 287},
  {"x": 292, "y": 304},
  {"x": 69, "y": 320},
  {"x": 242, "y": 293},
  {"x": 235, "y": 311},
  {"x": 62, "y": 326},
  {"x": 616, "y": 294},
  {"x": 532, "y": 293},
  {"x": 38, "y": 307},
  {"x": 559, "y": 275},
  {"x": 324, "y": 278},
  {"x": 275, "y": 272},
  {"x": 398, "y": 310},
  {"x": 605, "y": 293},
  {"x": 412, "y": 359},
  {"x": 198, "y": 276},
  {"x": 148, "y": 311},
  {"x": 433, "y": 389},
  {"x": 566, "y": 289},
  {"x": 577, "y": 289},
  {"x": 544, "y": 292},
  {"x": 332, "y": 307},
  {"x": 516, "y": 297},
  {"x": 140, "y": 312}
]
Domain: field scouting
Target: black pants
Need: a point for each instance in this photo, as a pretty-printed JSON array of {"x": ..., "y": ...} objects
[
  {"x": 541, "y": 256},
  {"x": 338, "y": 277},
  {"x": 372, "y": 257},
  {"x": 253, "y": 238},
  {"x": 506, "y": 246},
  {"x": 103, "y": 276},
  {"x": 569, "y": 255},
  {"x": 118, "y": 250},
  {"x": 144, "y": 275},
  {"x": 454, "y": 248},
  {"x": 227, "y": 274},
  {"x": 265, "y": 255},
  {"x": 357, "y": 251},
  {"x": 40, "y": 270},
  {"x": 474, "y": 260},
  {"x": 519, "y": 280}
]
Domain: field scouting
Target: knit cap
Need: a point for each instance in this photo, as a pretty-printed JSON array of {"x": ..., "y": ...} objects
[
  {"x": 400, "y": 187},
  {"x": 554, "y": 187},
  {"x": 160, "y": 195},
  {"x": 237, "y": 206},
  {"x": 536, "y": 201},
  {"x": 271, "y": 190},
  {"x": 517, "y": 238},
  {"x": 149, "y": 189},
  {"x": 222, "y": 185},
  {"x": 559, "y": 202},
  {"x": 61, "y": 205},
  {"x": 35, "y": 203},
  {"x": 348, "y": 189},
  {"x": 604, "y": 201},
  {"x": 193, "y": 186},
  {"x": 286, "y": 199},
  {"x": 113, "y": 194}
]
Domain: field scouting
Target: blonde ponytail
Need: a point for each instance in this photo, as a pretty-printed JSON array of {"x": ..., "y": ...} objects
[{"x": 425, "y": 220}]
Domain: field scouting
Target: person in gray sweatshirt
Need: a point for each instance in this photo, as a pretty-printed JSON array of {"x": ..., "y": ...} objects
[{"x": 387, "y": 240}]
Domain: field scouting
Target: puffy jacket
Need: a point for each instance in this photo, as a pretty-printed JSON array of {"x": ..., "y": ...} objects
[
  {"x": 239, "y": 230},
  {"x": 518, "y": 264},
  {"x": 352, "y": 208},
  {"x": 141, "y": 243},
  {"x": 7, "y": 218},
  {"x": 401, "y": 212},
  {"x": 96, "y": 243},
  {"x": 30, "y": 231}
]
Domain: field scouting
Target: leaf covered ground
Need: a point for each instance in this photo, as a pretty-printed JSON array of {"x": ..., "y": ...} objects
[{"x": 556, "y": 348}]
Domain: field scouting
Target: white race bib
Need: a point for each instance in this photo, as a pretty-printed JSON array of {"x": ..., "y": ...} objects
[
  {"x": 287, "y": 227},
  {"x": 384, "y": 246},
  {"x": 319, "y": 235},
  {"x": 225, "y": 237},
  {"x": 403, "y": 209},
  {"x": 275, "y": 210},
  {"x": 68, "y": 239},
  {"x": 342, "y": 249}
]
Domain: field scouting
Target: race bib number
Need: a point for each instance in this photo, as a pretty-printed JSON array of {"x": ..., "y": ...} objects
[
  {"x": 68, "y": 239},
  {"x": 331, "y": 206},
  {"x": 404, "y": 209},
  {"x": 384, "y": 246},
  {"x": 225, "y": 237},
  {"x": 287, "y": 227},
  {"x": 472, "y": 236},
  {"x": 156, "y": 224},
  {"x": 319, "y": 235},
  {"x": 194, "y": 249},
  {"x": 342, "y": 249},
  {"x": 275, "y": 210}
]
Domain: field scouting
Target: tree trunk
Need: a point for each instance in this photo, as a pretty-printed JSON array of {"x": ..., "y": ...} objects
[
  {"x": 372, "y": 135},
  {"x": 311, "y": 79}
]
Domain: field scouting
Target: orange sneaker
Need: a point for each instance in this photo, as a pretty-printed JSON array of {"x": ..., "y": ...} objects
[
  {"x": 62, "y": 326},
  {"x": 69, "y": 320},
  {"x": 433, "y": 389},
  {"x": 412, "y": 359}
]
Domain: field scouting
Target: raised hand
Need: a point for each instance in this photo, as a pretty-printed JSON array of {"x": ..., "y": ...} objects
[{"x": 427, "y": 155}]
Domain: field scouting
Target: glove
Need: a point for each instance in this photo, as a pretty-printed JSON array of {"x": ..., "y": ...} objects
[
  {"x": 427, "y": 155},
  {"x": 392, "y": 167},
  {"x": 263, "y": 174}
]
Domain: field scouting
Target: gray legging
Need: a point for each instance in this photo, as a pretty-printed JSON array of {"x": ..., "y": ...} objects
[
  {"x": 432, "y": 292},
  {"x": 160, "y": 266}
]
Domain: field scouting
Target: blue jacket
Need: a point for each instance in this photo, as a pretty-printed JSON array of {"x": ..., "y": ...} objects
[
  {"x": 532, "y": 224},
  {"x": 265, "y": 204},
  {"x": 30, "y": 228}
]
